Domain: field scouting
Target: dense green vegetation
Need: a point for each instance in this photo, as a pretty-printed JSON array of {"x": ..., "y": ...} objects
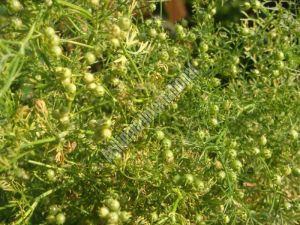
[{"x": 74, "y": 74}]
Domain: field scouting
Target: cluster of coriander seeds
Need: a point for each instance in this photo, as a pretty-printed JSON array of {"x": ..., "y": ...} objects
[
  {"x": 92, "y": 85},
  {"x": 118, "y": 31},
  {"x": 111, "y": 213},
  {"x": 55, "y": 215},
  {"x": 66, "y": 78},
  {"x": 53, "y": 41}
]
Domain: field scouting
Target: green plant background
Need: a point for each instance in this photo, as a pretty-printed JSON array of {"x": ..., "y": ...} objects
[{"x": 229, "y": 152}]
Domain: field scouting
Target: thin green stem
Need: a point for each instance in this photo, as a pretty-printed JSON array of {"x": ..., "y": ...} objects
[
  {"x": 42, "y": 164},
  {"x": 76, "y": 8},
  {"x": 38, "y": 142},
  {"x": 76, "y": 43},
  {"x": 31, "y": 209},
  {"x": 132, "y": 63}
]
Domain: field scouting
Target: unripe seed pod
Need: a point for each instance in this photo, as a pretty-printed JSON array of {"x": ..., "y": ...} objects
[
  {"x": 148, "y": 22},
  {"x": 218, "y": 165},
  {"x": 232, "y": 153},
  {"x": 169, "y": 156},
  {"x": 203, "y": 47},
  {"x": 115, "y": 31},
  {"x": 88, "y": 77},
  {"x": 107, "y": 122},
  {"x": 199, "y": 219},
  {"x": 59, "y": 69},
  {"x": 246, "y": 6},
  {"x": 201, "y": 134},
  {"x": 125, "y": 23},
  {"x": 167, "y": 143},
  {"x": 278, "y": 179},
  {"x": 51, "y": 219},
  {"x": 267, "y": 153},
  {"x": 71, "y": 88},
  {"x": 296, "y": 171},
  {"x": 176, "y": 178},
  {"x": 214, "y": 122},
  {"x": 213, "y": 11},
  {"x": 99, "y": 90},
  {"x": 255, "y": 151},
  {"x": 287, "y": 205},
  {"x": 165, "y": 56},
  {"x": 50, "y": 32},
  {"x": 154, "y": 216},
  {"x": 241, "y": 194},
  {"x": 226, "y": 219},
  {"x": 256, "y": 5},
  {"x": 222, "y": 174},
  {"x": 179, "y": 28},
  {"x": 16, "y": 6},
  {"x": 280, "y": 55},
  {"x": 233, "y": 70},
  {"x": 162, "y": 36},
  {"x": 55, "y": 40},
  {"x": 275, "y": 73},
  {"x": 158, "y": 22},
  {"x": 236, "y": 60},
  {"x": 152, "y": 7},
  {"x": 17, "y": 23},
  {"x": 66, "y": 73},
  {"x": 245, "y": 31},
  {"x": 116, "y": 82},
  {"x": 189, "y": 178},
  {"x": 256, "y": 72},
  {"x": 51, "y": 175},
  {"x": 184, "y": 22},
  {"x": 215, "y": 82},
  {"x": 237, "y": 164},
  {"x": 195, "y": 63},
  {"x": 294, "y": 134},
  {"x": 92, "y": 123},
  {"x": 53, "y": 209},
  {"x": 103, "y": 212},
  {"x": 192, "y": 37},
  {"x": 152, "y": 33},
  {"x": 66, "y": 82},
  {"x": 113, "y": 204},
  {"x": 60, "y": 218},
  {"x": 125, "y": 216},
  {"x": 92, "y": 86},
  {"x": 214, "y": 109},
  {"x": 90, "y": 58},
  {"x": 199, "y": 184},
  {"x": 207, "y": 16},
  {"x": 273, "y": 34},
  {"x": 175, "y": 51},
  {"x": 174, "y": 105},
  {"x": 106, "y": 133},
  {"x": 160, "y": 135},
  {"x": 263, "y": 140},
  {"x": 48, "y": 2},
  {"x": 95, "y": 2},
  {"x": 112, "y": 218},
  {"x": 65, "y": 119},
  {"x": 56, "y": 50},
  {"x": 115, "y": 42},
  {"x": 280, "y": 64}
]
